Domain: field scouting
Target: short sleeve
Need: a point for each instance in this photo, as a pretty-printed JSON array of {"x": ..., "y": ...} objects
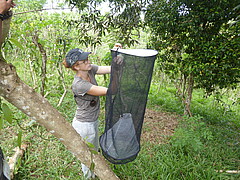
[
  {"x": 94, "y": 69},
  {"x": 80, "y": 87}
]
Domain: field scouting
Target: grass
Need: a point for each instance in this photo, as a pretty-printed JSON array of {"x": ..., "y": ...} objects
[
  {"x": 221, "y": 151},
  {"x": 166, "y": 162},
  {"x": 199, "y": 148}
]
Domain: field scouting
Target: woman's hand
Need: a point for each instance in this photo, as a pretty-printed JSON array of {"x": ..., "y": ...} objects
[{"x": 118, "y": 59}]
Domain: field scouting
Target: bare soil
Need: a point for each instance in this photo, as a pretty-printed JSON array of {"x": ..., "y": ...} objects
[{"x": 158, "y": 126}]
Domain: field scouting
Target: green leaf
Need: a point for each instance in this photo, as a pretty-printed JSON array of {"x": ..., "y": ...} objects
[
  {"x": 90, "y": 145},
  {"x": 7, "y": 112},
  {"x": 16, "y": 43},
  {"x": 92, "y": 166},
  {"x": 1, "y": 122},
  {"x": 19, "y": 139},
  {"x": 93, "y": 152}
]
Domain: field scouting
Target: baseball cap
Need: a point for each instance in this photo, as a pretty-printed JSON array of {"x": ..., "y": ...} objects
[{"x": 75, "y": 55}]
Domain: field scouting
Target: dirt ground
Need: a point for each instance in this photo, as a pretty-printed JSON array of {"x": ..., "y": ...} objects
[{"x": 158, "y": 126}]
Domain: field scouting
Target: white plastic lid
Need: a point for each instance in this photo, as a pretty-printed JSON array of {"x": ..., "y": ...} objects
[{"x": 138, "y": 52}]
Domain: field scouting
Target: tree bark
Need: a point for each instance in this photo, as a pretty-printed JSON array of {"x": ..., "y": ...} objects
[
  {"x": 22, "y": 96},
  {"x": 184, "y": 91},
  {"x": 19, "y": 152},
  {"x": 188, "y": 97}
]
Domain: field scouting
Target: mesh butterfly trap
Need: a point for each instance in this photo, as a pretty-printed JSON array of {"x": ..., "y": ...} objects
[{"x": 126, "y": 101}]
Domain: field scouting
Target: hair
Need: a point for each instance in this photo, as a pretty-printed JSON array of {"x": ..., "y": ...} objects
[
  {"x": 118, "y": 45},
  {"x": 67, "y": 66},
  {"x": 65, "y": 63}
]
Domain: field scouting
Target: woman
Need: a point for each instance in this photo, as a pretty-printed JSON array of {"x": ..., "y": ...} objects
[{"x": 86, "y": 93}]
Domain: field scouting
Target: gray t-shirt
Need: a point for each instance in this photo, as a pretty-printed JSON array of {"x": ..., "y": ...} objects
[{"x": 87, "y": 109}]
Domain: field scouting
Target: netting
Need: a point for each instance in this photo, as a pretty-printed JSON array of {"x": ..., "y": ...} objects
[{"x": 125, "y": 107}]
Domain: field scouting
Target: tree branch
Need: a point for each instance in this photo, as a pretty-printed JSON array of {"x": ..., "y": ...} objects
[
  {"x": 37, "y": 10},
  {"x": 44, "y": 61}
]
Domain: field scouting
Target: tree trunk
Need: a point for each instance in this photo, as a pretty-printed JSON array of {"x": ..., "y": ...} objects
[
  {"x": 184, "y": 91},
  {"x": 16, "y": 92},
  {"x": 188, "y": 96}
]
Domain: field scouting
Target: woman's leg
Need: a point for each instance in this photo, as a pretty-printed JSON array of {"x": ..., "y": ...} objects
[{"x": 89, "y": 132}]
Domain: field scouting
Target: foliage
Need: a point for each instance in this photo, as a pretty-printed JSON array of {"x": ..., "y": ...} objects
[
  {"x": 123, "y": 21},
  {"x": 30, "y": 30},
  {"x": 194, "y": 38},
  {"x": 191, "y": 135},
  {"x": 7, "y": 113},
  {"x": 30, "y": 5},
  {"x": 237, "y": 19}
]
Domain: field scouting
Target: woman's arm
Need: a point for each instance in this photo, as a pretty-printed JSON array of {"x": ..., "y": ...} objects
[
  {"x": 104, "y": 70},
  {"x": 107, "y": 69},
  {"x": 117, "y": 66},
  {"x": 97, "y": 91}
]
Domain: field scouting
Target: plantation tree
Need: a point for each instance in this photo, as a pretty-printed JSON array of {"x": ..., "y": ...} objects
[
  {"x": 26, "y": 99},
  {"x": 196, "y": 43},
  {"x": 43, "y": 41}
]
